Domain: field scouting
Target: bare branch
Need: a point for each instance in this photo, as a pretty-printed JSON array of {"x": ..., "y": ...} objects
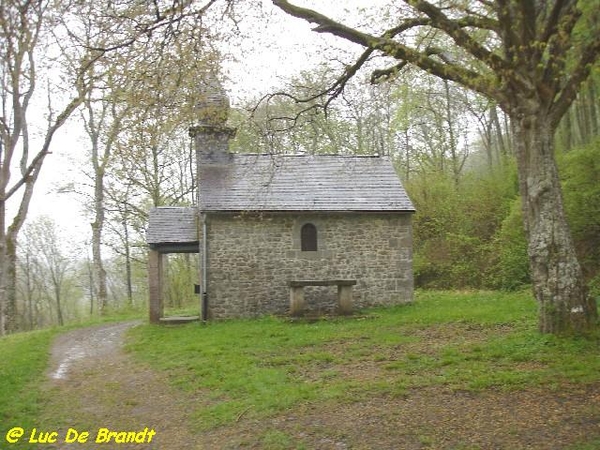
[
  {"x": 454, "y": 29},
  {"x": 452, "y": 72},
  {"x": 37, "y": 160},
  {"x": 161, "y": 19},
  {"x": 380, "y": 74}
]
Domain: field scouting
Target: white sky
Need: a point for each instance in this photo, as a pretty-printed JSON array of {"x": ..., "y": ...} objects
[{"x": 269, "y": 51}]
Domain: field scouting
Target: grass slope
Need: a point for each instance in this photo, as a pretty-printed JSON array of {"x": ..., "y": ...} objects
[
  {"x": 461, "y": 341},
  {"x": 24, "y": 359}
]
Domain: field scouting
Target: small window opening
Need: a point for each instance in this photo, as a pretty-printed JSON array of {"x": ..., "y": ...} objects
[{"x": 308, "y": 238}]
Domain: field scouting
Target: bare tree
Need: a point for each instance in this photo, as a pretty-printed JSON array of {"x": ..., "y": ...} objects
[
  {"x": 57, "y": 33},
  {"x": 23, "y": 30},
  {"x": 51, "y": 269},
  {"x": 102, "y": 124}
]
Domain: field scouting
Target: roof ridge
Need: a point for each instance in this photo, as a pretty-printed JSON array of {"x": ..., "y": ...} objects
[
  {"x": 175, "y": 207},
  {"x": 309, "y": 155}
]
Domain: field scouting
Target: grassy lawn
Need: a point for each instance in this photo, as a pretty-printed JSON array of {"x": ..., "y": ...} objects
[{"x": 458, "y": 341}]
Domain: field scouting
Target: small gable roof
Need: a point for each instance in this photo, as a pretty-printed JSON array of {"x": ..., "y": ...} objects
[
  {"x": 172, "y": 225},
  {"x": 315, "y": 183}
]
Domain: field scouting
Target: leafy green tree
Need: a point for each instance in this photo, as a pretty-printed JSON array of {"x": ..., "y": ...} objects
[
  {"x": 456, "y": 227},
  {"x": 531, "y": 59},
  {"x": 437, "y": 119}
]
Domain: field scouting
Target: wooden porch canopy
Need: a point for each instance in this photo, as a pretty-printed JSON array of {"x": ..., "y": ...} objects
[{"x": 170, "y": 230}]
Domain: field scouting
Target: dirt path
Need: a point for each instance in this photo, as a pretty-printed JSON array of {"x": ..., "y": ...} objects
[{"x": 93, "y": 385}]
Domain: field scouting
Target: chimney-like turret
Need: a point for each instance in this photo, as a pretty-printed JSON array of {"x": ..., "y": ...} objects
[{"x": 211, "y": 134}]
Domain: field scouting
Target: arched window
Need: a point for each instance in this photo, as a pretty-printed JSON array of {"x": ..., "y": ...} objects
[{"x": 308, "y": 238}]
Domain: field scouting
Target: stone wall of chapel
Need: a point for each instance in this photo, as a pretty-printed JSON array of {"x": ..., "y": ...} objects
[{"x": 251, "y": 259}]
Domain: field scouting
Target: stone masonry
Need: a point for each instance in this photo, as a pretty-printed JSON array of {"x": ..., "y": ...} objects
[{"x": 252, "y": 257}]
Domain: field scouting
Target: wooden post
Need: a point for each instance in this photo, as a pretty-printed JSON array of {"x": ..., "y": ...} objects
[
  {"x": 345, "y": 299},
  {"x": 155, "y": 285},
  {"x": 296, "y": 300}
]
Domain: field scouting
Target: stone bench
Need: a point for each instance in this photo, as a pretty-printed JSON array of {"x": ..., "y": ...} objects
[{"x": 297, "y": 294}]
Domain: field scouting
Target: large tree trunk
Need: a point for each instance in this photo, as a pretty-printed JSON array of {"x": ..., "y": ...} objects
[
  {"x": 8, "y": 276},
  {"x": 558, "y": 285}
]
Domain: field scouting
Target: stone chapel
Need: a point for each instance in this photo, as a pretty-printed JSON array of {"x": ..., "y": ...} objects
[{"x": 267, "y": 223}]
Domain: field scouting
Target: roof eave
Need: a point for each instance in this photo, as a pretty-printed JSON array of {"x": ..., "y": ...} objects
[{"x": 307, "y": 211}]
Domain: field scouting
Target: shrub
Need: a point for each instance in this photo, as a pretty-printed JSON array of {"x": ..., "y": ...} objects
[{"x": 509, "y": 268}]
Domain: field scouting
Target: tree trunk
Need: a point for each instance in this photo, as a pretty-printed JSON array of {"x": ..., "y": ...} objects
[
  {"x": 3, "y": 265},
  {"x": 567, "y": 132},
  {"x": 558, "y": 285},
  {"x": 8, "y": 277},
  {"x": 501, "y": 147},
  {"x": 592, "y": 105},
  {"x": 11, "y": 284},
  {"x": 128, "y": 263},
  {"x": 92, "y": 288},
  {"x": 98, "y": 227},
  {"x": 59, "y": 313},
  {"x": 29, "y": 290},
  {"x": 98, "y": 266}
]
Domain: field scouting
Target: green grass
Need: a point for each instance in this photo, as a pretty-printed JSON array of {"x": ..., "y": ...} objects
[
  {"x": 463, "y": 341},
  {"x": 24, "y": 359},
  {"x": 592, "y": 445}
]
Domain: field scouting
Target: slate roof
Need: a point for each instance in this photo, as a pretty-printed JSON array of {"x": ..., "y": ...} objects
[
  {"x": 317, "y": 183},
  {"x": 323, "y": 183},
  {"x": 172, "y": 225}
]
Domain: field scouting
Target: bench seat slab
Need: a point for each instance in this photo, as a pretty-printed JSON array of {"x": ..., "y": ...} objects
[{"x": 302, "y": 283}]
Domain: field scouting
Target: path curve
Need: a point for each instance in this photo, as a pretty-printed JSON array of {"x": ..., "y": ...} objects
[{"x": 93, "y": 385}]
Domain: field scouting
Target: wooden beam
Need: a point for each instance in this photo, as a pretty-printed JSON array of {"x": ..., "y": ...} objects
[{"x": 155, "y": 285}]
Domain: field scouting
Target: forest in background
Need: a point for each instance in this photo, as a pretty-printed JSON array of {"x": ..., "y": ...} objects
[{"x": 453, "y": 150}]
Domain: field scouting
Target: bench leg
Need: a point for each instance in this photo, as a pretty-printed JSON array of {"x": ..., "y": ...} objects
[
  {"x": 296, "y": 301},
  {"x": 345, "y": 299}
]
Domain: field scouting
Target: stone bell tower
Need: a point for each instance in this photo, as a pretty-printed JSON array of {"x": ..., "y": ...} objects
[
  {"x": 210, "y": 133},
  {"x": 211, "y": 141}
]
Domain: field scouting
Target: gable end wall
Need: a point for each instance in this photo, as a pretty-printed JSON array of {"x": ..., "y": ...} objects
[{"x": 252, "y": 258}]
